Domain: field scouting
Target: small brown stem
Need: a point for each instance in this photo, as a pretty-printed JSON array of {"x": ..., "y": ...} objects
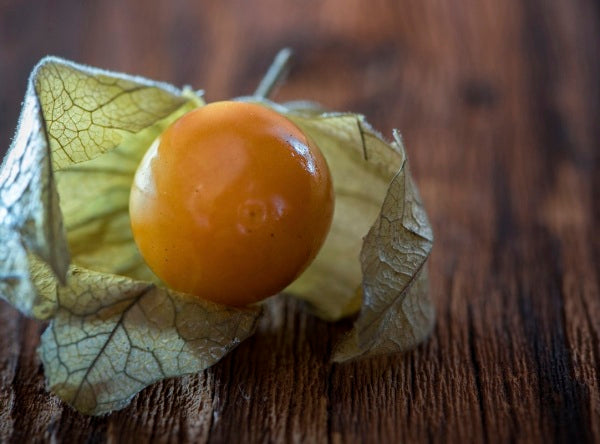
[{"x": 275, "y": 74}]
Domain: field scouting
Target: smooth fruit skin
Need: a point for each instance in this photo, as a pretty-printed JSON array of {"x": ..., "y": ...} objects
[{"x": 232, "y": 203}]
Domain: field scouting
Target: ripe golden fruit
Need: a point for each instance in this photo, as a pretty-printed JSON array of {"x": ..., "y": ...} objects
[{"x": 232, "y": 203}]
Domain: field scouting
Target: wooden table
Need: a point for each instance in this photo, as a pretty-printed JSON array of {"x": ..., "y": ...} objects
[{"x": 499, "y": 106}]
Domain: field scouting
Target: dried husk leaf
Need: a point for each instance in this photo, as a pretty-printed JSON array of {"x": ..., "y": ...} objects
[
  {"x": 362, "y": 166},
  {"x": 15, "y": 280},
  {"x": 71, "y": 113},
  {"x": 30, "y": 219},
  {"x": 397, "y": 313},
  {"x": 112, "y": 336},
  {"x": 374, "y": 258},
  {"x": 81, "y": 135}
]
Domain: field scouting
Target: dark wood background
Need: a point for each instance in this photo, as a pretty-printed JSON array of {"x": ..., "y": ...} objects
[{"x": 499, "y": 106}]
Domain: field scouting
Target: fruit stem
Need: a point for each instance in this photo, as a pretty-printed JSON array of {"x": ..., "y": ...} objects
[{"x": 275, "y": 74}]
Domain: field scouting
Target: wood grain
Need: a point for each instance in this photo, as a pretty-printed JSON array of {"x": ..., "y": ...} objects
[{"x": 499, "y": 106}]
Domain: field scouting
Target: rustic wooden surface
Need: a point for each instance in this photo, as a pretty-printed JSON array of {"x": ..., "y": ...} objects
[{"x": 499, "y": 105}]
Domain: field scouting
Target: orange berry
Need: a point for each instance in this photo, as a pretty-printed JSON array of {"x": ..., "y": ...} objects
[{"x": 232, "y": 203}]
